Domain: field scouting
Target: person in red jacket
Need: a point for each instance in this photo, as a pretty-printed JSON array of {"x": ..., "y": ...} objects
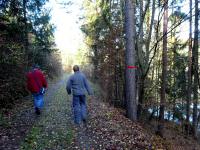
[{"x": 36, "y": 84}]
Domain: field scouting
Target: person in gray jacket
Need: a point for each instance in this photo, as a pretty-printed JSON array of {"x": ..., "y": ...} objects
[{"x": 77, "y": 84}]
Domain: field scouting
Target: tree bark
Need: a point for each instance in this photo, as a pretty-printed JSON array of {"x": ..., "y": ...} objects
[
  {"x": 95, "y": 62},
  {"x": 116, "y": 78},
  {"x": 26, "y": 44},
  {"x": 189, "y": 72},
  {"x": 130, "y": 59},
  {"x": 195, "y": 64},
  {"x": 143, "y": 72},
  {"x": 150, "y": 31},
  {"x": 164, "y": 70},
  {"x": 140, "y": 96}
]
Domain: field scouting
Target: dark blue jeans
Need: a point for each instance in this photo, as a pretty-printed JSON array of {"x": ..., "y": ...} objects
[
  {"x": 79, "y": 108},
  {"x": 38, "y": 100}
]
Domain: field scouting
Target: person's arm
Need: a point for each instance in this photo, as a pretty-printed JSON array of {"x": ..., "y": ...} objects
[
  {"x": 44, "y": 81},
  {"x": 87, "y": 86},
  {"x": 69, "y": 86}
]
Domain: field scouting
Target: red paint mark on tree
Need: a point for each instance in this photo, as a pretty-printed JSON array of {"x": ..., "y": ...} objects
[{"x": 132, "y": 67}]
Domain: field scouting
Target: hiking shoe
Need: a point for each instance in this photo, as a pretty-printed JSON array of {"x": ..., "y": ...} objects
[
  {"x": 85, "y": 123},
  {"x": 37, "y": 111}
]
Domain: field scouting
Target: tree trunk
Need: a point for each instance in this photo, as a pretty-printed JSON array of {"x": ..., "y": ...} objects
[
  {"x": 116, "y": 102},
  {"x": 150, "y": 30},
  {"x": 95, "y": 62},
  {"x": 141, "y": 34},
  {"x": 144, "y": 71},
  {"x": 140, "y": 96},
  {"x": 189, "y": 72},
  {"x": 130, "y": 59},
  {"x": 139, "y": 72},
  {"x": 26, "y": 44},
  {"x": 195, "y": 58},
  {"x": 164, "y": 70}
]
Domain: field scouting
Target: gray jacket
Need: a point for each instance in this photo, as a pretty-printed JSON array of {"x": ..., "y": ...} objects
[{"x": 78, "y": 84}]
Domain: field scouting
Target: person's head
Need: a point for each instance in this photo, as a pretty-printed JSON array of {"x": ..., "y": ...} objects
[
  {"x": 35, "y": 66},
  {"x": 76, "y": 68}
]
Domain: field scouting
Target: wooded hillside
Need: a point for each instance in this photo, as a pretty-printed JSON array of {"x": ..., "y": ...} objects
[{"x": 145, "y": 57}]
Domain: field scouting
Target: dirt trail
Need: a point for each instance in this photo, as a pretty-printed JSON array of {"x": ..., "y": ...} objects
[
  {"x": 53, "y": 129},
  {"x": 107, "y": 127}
]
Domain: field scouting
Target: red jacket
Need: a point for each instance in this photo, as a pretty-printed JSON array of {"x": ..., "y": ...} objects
[{"x": 35, "y": 81}]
